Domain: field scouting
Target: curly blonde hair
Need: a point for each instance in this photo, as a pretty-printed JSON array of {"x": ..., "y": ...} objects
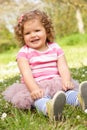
[{"x": 35, "y": 14}]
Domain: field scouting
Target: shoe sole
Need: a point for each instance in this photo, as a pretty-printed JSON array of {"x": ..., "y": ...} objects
[
  {"x": 83, "y": 92},
  {"x": 59, "y": 101}
]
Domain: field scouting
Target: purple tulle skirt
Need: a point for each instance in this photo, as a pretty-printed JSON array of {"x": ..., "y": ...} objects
[{"x": 19, "y": 95}]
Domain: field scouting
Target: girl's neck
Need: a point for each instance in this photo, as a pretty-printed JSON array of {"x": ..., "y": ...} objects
[{"x": 42, "y": 49}]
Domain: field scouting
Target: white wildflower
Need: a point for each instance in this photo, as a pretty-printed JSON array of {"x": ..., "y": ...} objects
[
  {"x": 78, "y": 117},
  {"x": 83, "y": 75},
  {"x": 85, "y": 72},
  {"x": 4, "y": 115},
  {"x": 1, "y": 80},
  {"x": 17, "y": 81},
  {"x": 85, "y": 110}
]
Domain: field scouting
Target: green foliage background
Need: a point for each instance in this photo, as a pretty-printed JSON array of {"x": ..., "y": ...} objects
[{"x": 7, "y": 39}]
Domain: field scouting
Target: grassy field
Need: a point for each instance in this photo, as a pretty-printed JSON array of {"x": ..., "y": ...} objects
[{"x": 75, "y": 48}]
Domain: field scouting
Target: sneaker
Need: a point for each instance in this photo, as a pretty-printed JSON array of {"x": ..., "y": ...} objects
[
  {"x": 83, "y": 95},
  {"x": 56, "y": 105}
]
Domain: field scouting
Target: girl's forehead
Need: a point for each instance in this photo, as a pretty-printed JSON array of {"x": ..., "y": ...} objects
[{"x": 33, "y": 22}]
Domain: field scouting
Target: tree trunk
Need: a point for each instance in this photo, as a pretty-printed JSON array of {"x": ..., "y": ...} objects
[{"x": 80, "y": 23}]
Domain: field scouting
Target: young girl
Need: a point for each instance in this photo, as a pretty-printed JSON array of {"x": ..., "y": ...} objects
[{"x": 46, "y": 82}]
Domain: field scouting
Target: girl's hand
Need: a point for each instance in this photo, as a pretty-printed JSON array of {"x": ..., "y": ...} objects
[
  {"x": 68, "y": 85},
  {"x": 36, "y": 94}
]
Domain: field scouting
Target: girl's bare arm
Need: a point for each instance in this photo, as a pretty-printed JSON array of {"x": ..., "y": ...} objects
[
  {"x": 65, "y": 73},
  {"x": 26, "y": 72}
]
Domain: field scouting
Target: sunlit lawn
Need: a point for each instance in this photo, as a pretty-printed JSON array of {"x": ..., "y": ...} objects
[{"x": 73, "y": 118}]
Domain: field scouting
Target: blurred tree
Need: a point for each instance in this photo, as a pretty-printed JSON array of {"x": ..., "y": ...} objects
[
  {"x": 71, "y": 12},
  {"x": 69, "y": 16}
]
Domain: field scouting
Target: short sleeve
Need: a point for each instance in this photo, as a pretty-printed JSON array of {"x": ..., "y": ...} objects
[
  {"x": 57, "y": 49},
  {"x": 22, "y": 53},
  {"x": 60, "y": 51}
]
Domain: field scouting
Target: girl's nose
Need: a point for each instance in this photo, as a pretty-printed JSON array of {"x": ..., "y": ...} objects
[{"x": 33, "y": 34}]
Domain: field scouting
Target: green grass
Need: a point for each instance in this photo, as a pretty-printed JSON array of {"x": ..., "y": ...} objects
[
  {"x": 8, "y": 56},
  {"x": 73, "y": 117}
]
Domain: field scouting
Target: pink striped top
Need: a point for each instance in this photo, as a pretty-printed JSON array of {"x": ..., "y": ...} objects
[{"x": 43, "y": 64}]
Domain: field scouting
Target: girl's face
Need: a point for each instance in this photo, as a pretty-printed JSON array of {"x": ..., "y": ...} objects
[{"x": 35, "y": 35}]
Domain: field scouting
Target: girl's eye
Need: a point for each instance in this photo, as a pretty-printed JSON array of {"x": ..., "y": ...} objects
[
  {"x": 27, "y": 33},
  {"x": 37, "y": 30}
]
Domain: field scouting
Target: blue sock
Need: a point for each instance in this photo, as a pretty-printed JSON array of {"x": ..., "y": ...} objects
[
  {"x": 71, "y": 97},
  {"x": 40, "y": 104}
]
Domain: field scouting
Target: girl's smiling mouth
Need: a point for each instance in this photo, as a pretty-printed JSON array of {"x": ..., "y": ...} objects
[{"x": 35, "y": 40}]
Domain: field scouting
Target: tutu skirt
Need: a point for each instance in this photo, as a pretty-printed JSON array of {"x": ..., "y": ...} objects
[{"x": 18, "y": 94}]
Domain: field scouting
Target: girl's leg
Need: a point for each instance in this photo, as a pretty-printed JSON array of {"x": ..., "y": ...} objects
[
  {"x": 40, "y": 104},
  {"x": 72, "y": 97}
]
